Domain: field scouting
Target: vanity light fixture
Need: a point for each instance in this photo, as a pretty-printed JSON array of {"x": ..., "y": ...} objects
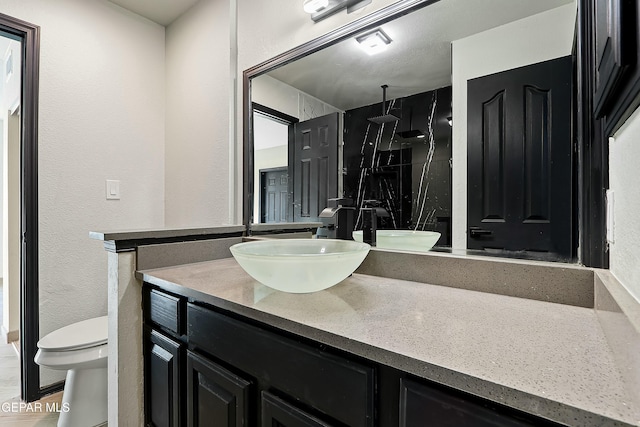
[
  {"x": 314, "y": 6},
  {"x": 374, "y": 41},
  {"x": 320, "y": 9}
]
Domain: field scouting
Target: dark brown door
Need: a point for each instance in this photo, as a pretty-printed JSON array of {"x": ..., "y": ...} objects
[
  {"x": 274, "y": 197},
  {"x": 313, "y": 159},
  {"x": 519, "y": 160}
]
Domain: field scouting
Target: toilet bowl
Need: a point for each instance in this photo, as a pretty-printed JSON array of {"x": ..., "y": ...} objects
[{"x": 81, "y": 349}]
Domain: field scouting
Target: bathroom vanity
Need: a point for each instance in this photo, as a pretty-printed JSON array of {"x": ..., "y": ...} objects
[
  {"x": 222, "y": 349},
  {"x": 210, "y": 366},
  {"x": 193, "y": 337}
]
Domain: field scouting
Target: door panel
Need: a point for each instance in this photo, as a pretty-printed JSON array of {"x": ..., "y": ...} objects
[
  {"x": 520, "y": 160},
  {"x": 314, "y": 166},
  {"x": 493, "y": 158},
  {"x": 162, "y": 384},
  {"x": 275, "y": 195},
  {"x": 537, "y": 139},
  {"x": 216, "y": 396}
]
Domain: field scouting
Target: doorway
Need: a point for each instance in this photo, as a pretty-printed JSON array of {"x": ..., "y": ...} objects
[
  {"x": 273, "y": 133},
  {"x": 28, "y": 35}
]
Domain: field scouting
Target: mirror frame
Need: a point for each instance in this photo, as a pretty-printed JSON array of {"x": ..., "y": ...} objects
[{"x": 590, "y": 140}]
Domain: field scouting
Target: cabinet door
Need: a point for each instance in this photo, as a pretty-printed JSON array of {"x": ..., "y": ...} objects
[
  {"x": 278, "y": 413},
  {"x": 336, "y": 386},
  {"x": 609, "y": 52},
  {"x": 421, "y": 405},
  {"x": 162, "y": 361},
  {"x": 215, "y": 396}
]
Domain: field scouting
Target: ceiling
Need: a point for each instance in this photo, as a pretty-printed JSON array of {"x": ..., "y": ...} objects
[
  {"x": 162, "y": 12},
  {"x": 418, "y": 58}
]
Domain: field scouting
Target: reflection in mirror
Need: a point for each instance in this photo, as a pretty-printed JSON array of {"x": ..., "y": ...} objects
[{"x": 351, "y": 144}]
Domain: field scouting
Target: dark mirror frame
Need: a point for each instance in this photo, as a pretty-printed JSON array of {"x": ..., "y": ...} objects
[{"x": 591, "y": 141}]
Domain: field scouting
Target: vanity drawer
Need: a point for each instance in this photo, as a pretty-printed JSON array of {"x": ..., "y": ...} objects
[
  {"x": 336, "y": 386},
  {"x": 165, "y": 310}
]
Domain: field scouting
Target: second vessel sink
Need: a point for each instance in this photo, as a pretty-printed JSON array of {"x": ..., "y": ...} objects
[
  {"x": 404, "y": 240},
  {"x": 300, "y": 265}
]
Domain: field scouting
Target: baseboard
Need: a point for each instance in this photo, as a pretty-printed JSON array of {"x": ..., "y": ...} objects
[
  {"x": 51, "y": 388},
  {"x": 9, "y": 336}
]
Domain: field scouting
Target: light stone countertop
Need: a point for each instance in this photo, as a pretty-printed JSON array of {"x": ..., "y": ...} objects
[{"x": 547, "y": 359}]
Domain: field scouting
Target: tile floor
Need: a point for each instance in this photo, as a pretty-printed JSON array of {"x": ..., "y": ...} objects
[{"x": 11, "y": 413}]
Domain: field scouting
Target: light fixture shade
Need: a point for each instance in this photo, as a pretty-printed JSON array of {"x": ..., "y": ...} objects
[
  {"x": 373, "y": 42},
  {"x": 314, "y": 6}
]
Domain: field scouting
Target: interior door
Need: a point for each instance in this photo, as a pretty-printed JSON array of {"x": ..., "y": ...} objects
[
  {"x": 274, "y": 196},
  {"x": 313, "y": 160},
  {"x": 520, "y": 160}
]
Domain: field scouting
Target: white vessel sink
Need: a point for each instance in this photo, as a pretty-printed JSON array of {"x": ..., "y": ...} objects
[
  {"x": 404, "y": 240},
  {"x": 300, "y": 265}
]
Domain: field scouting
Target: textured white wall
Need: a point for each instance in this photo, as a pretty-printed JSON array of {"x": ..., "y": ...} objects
[
  {"x": 274, "y": 94},
  {"x": 101, "y": 117},
  {"x": 538, "y": 38},
  {"x": 624, "y": 181},
  {"x": 198, "y": 80}
]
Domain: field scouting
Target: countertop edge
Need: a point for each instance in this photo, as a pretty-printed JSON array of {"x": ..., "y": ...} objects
[{"x": 164, "y": 233}]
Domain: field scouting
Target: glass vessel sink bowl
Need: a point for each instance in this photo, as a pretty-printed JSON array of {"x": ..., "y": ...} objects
[
  {"x": 404, "y": 240},
  {"x": 300, "y": 265}
]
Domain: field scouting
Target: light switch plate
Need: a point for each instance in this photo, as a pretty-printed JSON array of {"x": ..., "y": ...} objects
[{"x": 113, "y": 189}]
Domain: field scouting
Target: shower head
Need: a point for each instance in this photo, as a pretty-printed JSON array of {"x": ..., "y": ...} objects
[
  {"x": 384, "y": 118},
  {"x": 387, "y": 118}
]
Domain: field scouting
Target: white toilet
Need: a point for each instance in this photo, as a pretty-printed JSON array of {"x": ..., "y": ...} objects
[{"x": 80, "y": 348}]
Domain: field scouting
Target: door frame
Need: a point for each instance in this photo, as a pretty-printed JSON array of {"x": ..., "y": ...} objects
[
  {"x": 285, "y": 119},
  {"x": 29, "y": 35}
]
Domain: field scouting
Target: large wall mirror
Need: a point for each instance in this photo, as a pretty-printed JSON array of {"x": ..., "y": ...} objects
[{"x": 459, "y": 123}]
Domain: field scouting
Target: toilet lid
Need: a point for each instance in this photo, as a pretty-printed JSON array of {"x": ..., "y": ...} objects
[{"x": 85, "y": 334}]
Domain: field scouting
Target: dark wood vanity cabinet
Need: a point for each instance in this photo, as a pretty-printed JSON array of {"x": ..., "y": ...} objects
[{"x": 206, "y": 367}]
